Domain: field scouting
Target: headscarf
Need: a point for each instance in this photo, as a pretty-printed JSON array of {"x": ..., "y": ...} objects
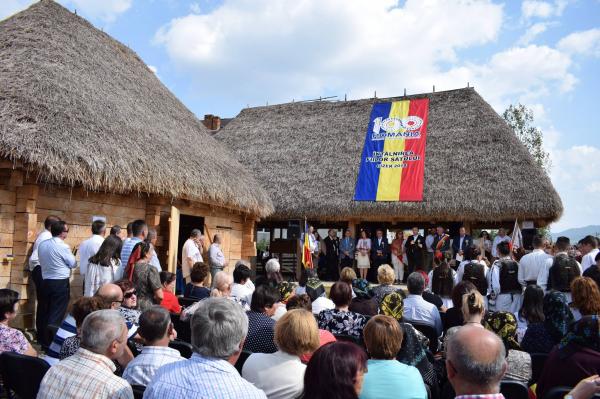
[
  {"x": 585, "y": 332},
  {"x": 286, "y": 290},
  {"x": 503, "y": 324},
  {"x": 558, "y": 316},
  {"x": 360, "y": 287},
  {"x": 393, "y": 305}
]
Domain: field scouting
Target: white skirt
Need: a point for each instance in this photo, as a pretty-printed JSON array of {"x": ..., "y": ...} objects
[{"x": 362, "y": 261}]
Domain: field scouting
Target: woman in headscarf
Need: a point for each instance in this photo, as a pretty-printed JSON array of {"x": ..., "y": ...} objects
[
  {"x": 575, "y": 358},
  {"x": 541, "y": 337},
  {"x": 504, "y": 324}
]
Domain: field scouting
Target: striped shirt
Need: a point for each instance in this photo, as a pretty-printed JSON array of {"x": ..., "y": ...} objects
[
  {"x": 141, "y": 369},
  {"x": 126, "y": 251},
  {"x": 84, "y": 375},
  {"x": 201, "y": 377}
]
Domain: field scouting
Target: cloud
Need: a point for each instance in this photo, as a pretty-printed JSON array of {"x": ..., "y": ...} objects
[
  {"x": 153, "y": 68},
  {"x": 584, "y": 42},
  {"x": 532, "y": 32},
  {"x": 542, "y": 9}
]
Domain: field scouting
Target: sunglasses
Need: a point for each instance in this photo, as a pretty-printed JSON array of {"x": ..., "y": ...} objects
[{"x": 130, "y": 294}]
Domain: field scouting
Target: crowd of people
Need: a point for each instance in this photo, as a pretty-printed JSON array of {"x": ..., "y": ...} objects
[{"x": 459, "y": 330}]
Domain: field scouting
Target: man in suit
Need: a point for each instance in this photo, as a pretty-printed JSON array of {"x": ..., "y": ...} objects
[
  {"x": 441, "y": 243},
  {"x": 461, "y": 242},
  {"x": 380, "y": 253},
  {"x": 414, "y": 247}
]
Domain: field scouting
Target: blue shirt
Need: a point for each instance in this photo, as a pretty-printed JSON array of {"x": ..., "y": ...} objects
[
  {"x": 347, "y": 245},
  {"x": 392, "y": 379},
  {"x": 56, "y": 259},
  {"x": 200, "y": 378},
  {"x": 127, "y": 249}
]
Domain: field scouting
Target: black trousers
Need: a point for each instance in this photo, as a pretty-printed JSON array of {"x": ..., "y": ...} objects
[
  {"x": 375, "y": 263},
  {"x": 415, "y": 261},
  {"x": 346, "y": 262},
  {"x": 55, "y": 299},
  {"x": 36, "y": 276}
]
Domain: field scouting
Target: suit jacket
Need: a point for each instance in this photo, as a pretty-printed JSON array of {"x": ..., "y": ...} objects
[
  {"x": 437, "y": 239},
  {"x": 384, "y": 247},
  {"x": 467, "y": 242},
  {"x": 412, "y": 246}
]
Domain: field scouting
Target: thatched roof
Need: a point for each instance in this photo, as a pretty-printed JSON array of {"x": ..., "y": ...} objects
[
  {"x": 307, "y": 155},
  {"x": 79, "y": 107}
]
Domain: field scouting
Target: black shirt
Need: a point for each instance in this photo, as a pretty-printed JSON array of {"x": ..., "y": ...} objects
[{"x": 191, "y": 291}]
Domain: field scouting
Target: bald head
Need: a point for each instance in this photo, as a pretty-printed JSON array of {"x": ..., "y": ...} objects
[
  {"x": 111, "y": 294},
  {"x": 475, "y": 359}
]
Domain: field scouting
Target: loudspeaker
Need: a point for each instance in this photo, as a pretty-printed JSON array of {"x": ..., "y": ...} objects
[{"x": 293, "y": 230}]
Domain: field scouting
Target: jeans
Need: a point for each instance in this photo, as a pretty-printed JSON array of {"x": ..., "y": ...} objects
[{"x": 55, "y": 298}]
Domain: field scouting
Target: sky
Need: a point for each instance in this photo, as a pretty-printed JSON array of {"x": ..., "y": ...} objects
[{"x": 219, "y": 56}]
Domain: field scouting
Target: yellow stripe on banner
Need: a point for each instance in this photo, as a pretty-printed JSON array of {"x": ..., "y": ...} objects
[{"x": 388, "y": 187}]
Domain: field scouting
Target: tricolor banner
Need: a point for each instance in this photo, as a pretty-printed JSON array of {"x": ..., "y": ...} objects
[{"x": 393, "y": 158}]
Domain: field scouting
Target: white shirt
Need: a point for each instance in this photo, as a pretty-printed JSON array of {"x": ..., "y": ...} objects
[
  {"x": 498, "y": 240},
  {"x": 87, "y": 249},
  {"x": 542, "y": 279},
  {"x": 280, "y": 375},
  {"x": 215, "y": 256},
  {"x": 531, "y": 264},
  {"x": 98, "y": 275},
  {"x": 190, "y": 250},
  {"x": 429, "y": 242},
  {"x": 34, "y": 259},
  {"x": 461, "y": 269},
  {"x": 417, "y": 309},
  {"x": 322, "y": 303},
  {"x": 56, "y": 259},
  {"x": 589, "y": 259},
  {"x": 241, "y": 292},
  {"x": 494, "y": 276},
  {"x": 143, "y": 367}
]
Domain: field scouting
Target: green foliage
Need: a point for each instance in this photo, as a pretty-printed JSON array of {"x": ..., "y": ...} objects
[{"x": 262, "y": 245}]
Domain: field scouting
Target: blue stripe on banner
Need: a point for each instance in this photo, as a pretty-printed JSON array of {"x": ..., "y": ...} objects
[{"x": 368, "y": 175}]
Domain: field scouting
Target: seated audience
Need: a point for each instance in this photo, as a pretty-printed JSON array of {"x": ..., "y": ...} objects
[
  {"x": 541, "y": 337},
  {"x": 157, "y": 331},
  {"x": 418, "y": 310},
  {"x": 593, "y": 271},
  {"x": 364, "y": 306},
  {"x": 281, "y": 374},
  {"x": 303, "y": 302},
  {"x": 586, "y": 297},
  {"x": 586, "y": 388},
  {"x": 576, "y": 357},
  {"x": 261, "y": 327},
  {"x": 196, "y": 289},
  {"x": 105, "y": 266},
  {"x": 273, "y": 275},
  {"x": 170, "y": 301},
  {"x": 387, "y": 377},
  {"x": 454, "y": 315},
  {"x": 473, "y": 308},
  {"x": 504, "y": 324},
  {"x": 219, "y": 328},
  {"x": 79, "y": 310},
  {"x": 241, "y": 277},
  {"x": 348, "y": 275},
  {"x": 129, "y": 306},
  {"x": 335, "y": 371},
  {"x": 385, "y": 277},
  {"x": 11, "y": 339},
  {"x": 222, "y": 285},
  {"x": 475, "y": 363},
  {"x": 341, "y": 320},
  {"x": 89, "y": 372},
  {"x": 441, "y": 281},
  {"x": 144, "y": 276},
  {"x": 532, "y": 309}
]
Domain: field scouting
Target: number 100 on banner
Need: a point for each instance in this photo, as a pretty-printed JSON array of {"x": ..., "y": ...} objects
[{"x": 393, "y": 158}]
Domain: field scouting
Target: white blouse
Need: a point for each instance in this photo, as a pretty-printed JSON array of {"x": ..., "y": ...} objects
[{"x": 98, "y": 275}]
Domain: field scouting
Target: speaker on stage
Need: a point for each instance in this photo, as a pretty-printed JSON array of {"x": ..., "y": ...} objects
[{"x": 293, "y": 230}]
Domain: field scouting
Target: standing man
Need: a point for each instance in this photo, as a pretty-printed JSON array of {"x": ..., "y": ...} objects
[
  {"x": 532, "y": 264},
  {"x": 430, "y": 248},
  {"x": 503, "y": 282},
  {"x": 152, "y": 237},
  {"x": 36, "y": 270},
  {"x": 589, "y": 249},
  {"x": 347, "y": 249},
  {"x": 561, "y": 270},
  {"x": 129, "y": 232},
  {"x": 90, "y": 247},
  {"x": 191, "y": 253},
  {"x": 414, "y": 246},
  {"x": 56, "y": 260},
  {"x": 441, "y": 243},
  {"x": 332, "y": 255},
  {"x": 460, "y": 244},
  {"x": 216, "y": 258},
  {"x": 139, "y": 230},
  {"x": 501, "y": 237},
  {"x": 380, "y": 253}
]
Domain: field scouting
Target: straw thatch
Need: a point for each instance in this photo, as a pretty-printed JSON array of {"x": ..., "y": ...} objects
[
  {"x": 78, "y": 107},
  {"x": 307, "y": 155}
]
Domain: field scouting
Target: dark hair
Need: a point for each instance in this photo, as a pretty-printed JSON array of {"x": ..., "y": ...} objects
[
  {"x": 85, "y": 305},
  {"x": 129, "y": 228},
  {"x": 597, "y": 258},
  {"x": 57, "y": 228},
  {"x": 503, "y": 248},
  {"x": 167, "y": 277},
  {"x": 49, "y": 220},
  {"x": 115, "y": 230},
  {"x": 484, "y": 232},
  {"x": 137, "y": 227},
  {"x": 341, "y": 293},
  {"x": 109, "y": 250},
  {"x": 415, "y": 283},
  {"x": 241, "y": 273},
  {"x": 332, "y": 369},
  {"x": 459, "y": 290},
  {"x": 264, "y": 297},
  {"x": 562, "y": 243},
  {"x": 299, "y": 302},
  {"x": 589, "y": 240},
  {"x": 8, "y": 298},
  {"x": 472, "y": 252},
  {"x": 125, "y": 285},
  {"x": 154, "y": 323},
  {"x": 538, "y": 241},
  {"x": 98, "y": 226},
  {"x": 532, "y": 309},
  {"x": 199, "y": 272}
]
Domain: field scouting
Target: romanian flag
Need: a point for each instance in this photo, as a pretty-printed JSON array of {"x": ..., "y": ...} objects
[
  {"x": 306, "y": 252},
  {"x": 393, "y": 158}
]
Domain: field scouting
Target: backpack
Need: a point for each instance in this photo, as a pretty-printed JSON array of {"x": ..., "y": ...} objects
[
  {"x": 563, "y": 271},
  {"x": 509, "y": 277},
  {"x": 475, "y": 273},
  {"x": 442, "y": 282}
]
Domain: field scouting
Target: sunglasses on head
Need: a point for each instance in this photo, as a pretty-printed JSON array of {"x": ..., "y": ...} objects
[{"x": 129, "y": 294}]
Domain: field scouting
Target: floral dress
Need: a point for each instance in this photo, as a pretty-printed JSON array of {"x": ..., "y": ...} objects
[
  {"x": 12, "y": 340},
  {"x": 341, "y": 322},
  {"x": 146, "y": 280}
]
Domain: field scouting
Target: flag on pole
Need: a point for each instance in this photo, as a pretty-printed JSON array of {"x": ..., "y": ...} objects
[
  {"x": 306, "y": 252},
  {"x": 517, "y": 237}
]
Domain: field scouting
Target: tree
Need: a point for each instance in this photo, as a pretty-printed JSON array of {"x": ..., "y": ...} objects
[{"x": 520, "y": 119}]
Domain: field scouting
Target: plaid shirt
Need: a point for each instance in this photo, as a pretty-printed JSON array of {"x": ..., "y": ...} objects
[
  {"x": 84, "y": 375},
  {"x": 488, "y": 396},
  {"x": 141, "y": 369}
]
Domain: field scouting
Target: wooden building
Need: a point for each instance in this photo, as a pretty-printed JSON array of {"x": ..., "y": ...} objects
[{"x": 87, "y": 130}]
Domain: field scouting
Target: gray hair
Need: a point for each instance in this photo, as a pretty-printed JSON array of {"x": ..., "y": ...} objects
[
  {"x": 218, "y": 327},
  {"x": 195, "y": 233},
  {"x": 151, "y": 234},
  {"x": 272, "y": 266},
  {"x": 100, "y": 329},
  {"x": 415, "y": 283},
  {"x": 242, "y": 262}
]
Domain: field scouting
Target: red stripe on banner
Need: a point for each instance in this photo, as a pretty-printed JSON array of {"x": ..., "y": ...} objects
[{"x": 411, "y": 188}]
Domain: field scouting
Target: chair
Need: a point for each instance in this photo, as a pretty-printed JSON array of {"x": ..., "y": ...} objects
[
  {"x": 514, "y": 389},
  {"x": 185, "y": 349},
  {"x": 538, "y": 360},
  {"x": 22, "y": 374},
  {"x": 138, "y": 391},
  {"x": 134, "y": 350},
  {"x": 431, "y": 335},
  {"x": 184, "y": 331},
  {"x": 186, "y": 302},
  {"x": 348, "y": 338},
  {"x": 241, "y": 360},
  {"x": 50, "y": 333}
]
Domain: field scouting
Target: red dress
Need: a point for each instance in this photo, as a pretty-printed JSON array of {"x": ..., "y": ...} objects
[{"x": 170, "y": 302}]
